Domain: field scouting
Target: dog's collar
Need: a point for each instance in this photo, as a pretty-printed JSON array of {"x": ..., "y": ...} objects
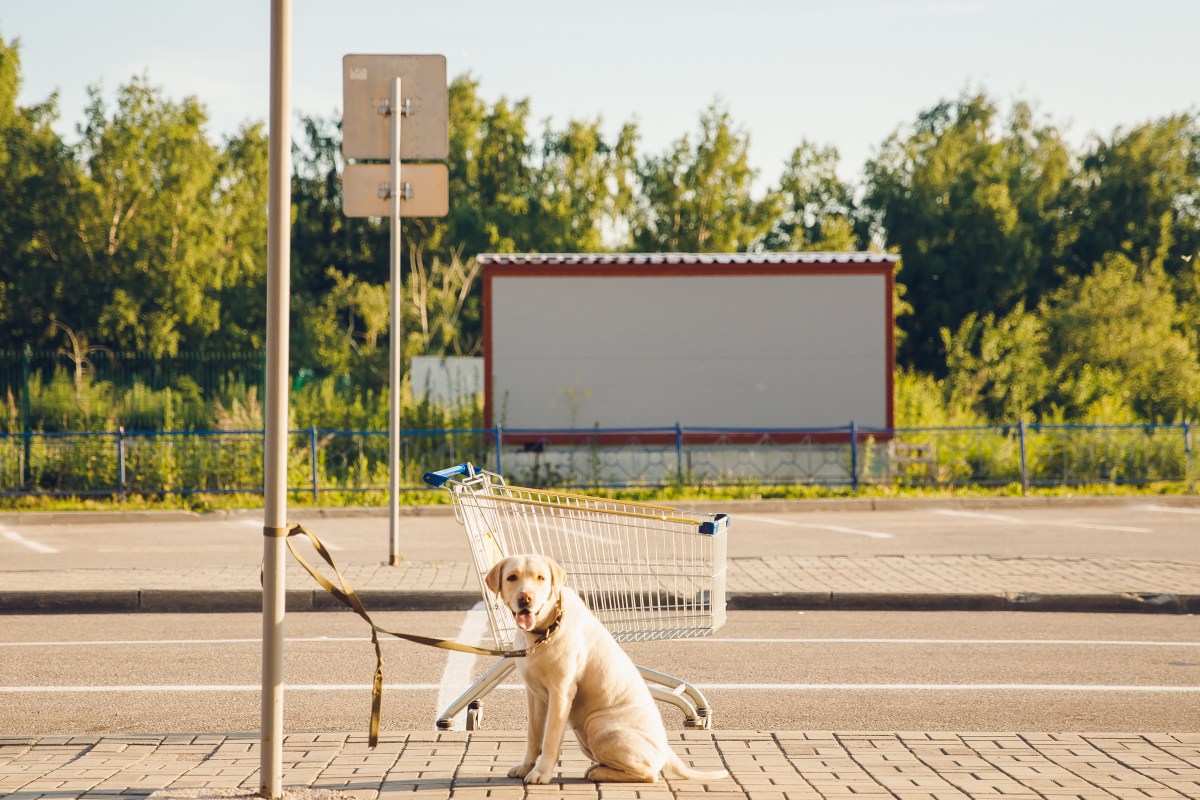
[{"x": 551, "y": 629}]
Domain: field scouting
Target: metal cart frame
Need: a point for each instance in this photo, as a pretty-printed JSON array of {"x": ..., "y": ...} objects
[{"x": 648, "y": 572}]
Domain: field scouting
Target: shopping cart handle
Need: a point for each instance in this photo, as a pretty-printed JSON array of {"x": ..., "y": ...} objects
[{"x": 442, "y": 475}]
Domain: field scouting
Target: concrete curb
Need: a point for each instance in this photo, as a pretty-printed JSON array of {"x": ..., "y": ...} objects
[
  {"x": 300, "y": 513},
  {"x": 181, "y": 601}
]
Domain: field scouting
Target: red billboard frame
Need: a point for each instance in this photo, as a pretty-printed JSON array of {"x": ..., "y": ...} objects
[{"x": 623, "y": 265}]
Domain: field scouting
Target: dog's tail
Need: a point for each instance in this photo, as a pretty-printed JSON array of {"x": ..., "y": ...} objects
[{"x": 675, "y": 768}]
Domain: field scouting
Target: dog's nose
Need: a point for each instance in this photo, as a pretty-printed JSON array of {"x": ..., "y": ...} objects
[{"x": 524, "y": 599}]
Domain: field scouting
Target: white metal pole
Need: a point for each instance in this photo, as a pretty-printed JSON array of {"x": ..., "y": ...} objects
[
  {"x": 397, "y": 340},
  {"x": 275, "y": 444}
]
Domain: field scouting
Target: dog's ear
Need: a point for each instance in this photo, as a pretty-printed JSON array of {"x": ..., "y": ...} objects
[
  {"x": 558, "y": 578},
  {"x": 492, "y": 581}
]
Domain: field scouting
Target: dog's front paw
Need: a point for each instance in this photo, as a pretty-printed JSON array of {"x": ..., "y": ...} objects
[
  {"x": 520, "y": 770},
  {"x": 540, "y": 775}
]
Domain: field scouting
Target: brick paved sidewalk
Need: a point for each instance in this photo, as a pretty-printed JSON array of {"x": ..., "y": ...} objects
[
  {"x": 472, "y": 766},
  {"x": 776, "y": 582}
]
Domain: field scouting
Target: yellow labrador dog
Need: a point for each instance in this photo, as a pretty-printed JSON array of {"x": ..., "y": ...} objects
[{"x": 577, "y": 673}]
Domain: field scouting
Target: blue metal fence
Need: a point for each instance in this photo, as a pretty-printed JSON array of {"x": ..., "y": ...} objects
[{"x": 119, "y": 463}]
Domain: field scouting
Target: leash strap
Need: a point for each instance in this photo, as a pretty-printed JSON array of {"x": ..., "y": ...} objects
[{"x": 348, "y": 597}]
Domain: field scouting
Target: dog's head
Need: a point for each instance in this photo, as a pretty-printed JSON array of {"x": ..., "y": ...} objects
[{"x": 529, "y": 585}]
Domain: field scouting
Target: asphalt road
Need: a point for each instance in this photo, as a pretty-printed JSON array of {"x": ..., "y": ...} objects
[
  {"x": 1142, "y": 529},
  {"x": 973, "y": 671}
]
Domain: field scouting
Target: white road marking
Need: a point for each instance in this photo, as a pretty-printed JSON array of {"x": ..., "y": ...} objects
[
  {"x": 711, "y": 640},
  {"x": 456, "y": 677},
  {"x": 36, "y": 547},
  {"x": 923, "y": 642},
  {"x": 185, "y": 688},
  {"x": 816, "y": 526},
  {"x": 755, "y": 687},
  {"x": 257, "y": 523},
  {"x": 540, "y": 524},
  {"x": 1171, "y": 510},
  {"x": 944, "y": 687},
  {"x": 1046, "y": 522},
  {"x": 172, "y": 642},
  {"x": 1097, "y": 527},
  {"x": 946, "y": 512}
]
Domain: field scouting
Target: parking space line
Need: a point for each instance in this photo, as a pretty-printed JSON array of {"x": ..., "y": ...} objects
[
  {"x": 475, "y": 631},
  {"x": 172, "y": 642},
  {"x": 815, "y": 526},
  {"x": 945, "y": 687},
  {"x": 755, "y": 687},
  {"x": 1089, "y": 643},
  {"x": 36, "y": 547},
  {"x": 1044, "y": 522},
  {"x": 947, "y": 512},
  {"x": 456, "y": 677},
  {"x": 1171, "y": 510},
  {"x": 923, "y": 642}
]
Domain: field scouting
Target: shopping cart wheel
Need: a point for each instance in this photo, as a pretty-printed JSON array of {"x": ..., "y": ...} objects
[
  {"x": 445, "y": 724},
  {"x": 474, "y": 715}
]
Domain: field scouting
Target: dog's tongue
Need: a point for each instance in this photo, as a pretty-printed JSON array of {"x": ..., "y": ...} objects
[{"x": 525, "y": 619}]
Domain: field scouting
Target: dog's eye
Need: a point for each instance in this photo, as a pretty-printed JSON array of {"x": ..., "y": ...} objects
[
  {"x": 541, "y": 577},
  {"x": 512, "y": 577}
]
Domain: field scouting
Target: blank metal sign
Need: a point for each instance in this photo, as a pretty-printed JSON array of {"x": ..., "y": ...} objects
[
  {"x": 365, "y": 190},
  {"x": 367, "y": 84}
]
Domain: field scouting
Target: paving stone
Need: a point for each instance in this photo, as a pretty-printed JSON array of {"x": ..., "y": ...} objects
[{"x": 764, "y": 766}]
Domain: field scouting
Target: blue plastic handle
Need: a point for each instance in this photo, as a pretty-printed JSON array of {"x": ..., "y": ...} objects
[
  {"x": 442, "y": 475},
  {"x": 719, "y": 524}
]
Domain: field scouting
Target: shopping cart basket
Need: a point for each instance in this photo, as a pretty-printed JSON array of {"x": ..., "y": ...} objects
[{"x": 646, "y": 571}]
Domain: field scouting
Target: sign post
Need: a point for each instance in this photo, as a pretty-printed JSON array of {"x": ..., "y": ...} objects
[{"x": 384, "y": 96}]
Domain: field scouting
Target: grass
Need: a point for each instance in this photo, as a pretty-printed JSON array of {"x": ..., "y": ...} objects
[{"x": 678, "y": 495}]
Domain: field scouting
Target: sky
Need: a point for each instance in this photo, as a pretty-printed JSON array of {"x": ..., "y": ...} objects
[{"x": 845, "y": 73}]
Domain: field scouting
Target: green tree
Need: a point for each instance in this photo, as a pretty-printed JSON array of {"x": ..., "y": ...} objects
[
  {"x": 42, "y": 279},
  {"x": 1139, "y": 195},
  {"x": 150, "y": 221},
  {"x": 323, "y": 237},
  {"x": 345, "y": 329},
  {"x": 697, "y": 198},
  {"x": 818, "y": 207},
  {"x": 341, "y": 267},
  {"x": 582, "y": 187},
  {"x": 976, "y": 206},
  {"x": 240, "y": 270},
  {"x": 490, "y": 173},
  {"x": 997, "y": 367},
  {"x": 1120, "y": 333},
  {"x": 442, "y": 309}
]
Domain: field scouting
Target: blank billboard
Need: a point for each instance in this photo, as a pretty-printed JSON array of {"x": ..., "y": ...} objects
[{"x": 719, "y": 342}]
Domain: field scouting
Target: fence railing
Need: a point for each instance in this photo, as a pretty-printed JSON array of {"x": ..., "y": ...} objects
[{"x": 119, "y": 463}]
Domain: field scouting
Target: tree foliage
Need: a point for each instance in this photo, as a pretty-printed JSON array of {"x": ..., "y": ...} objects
[
  {"x": 42, "y": 260},
  {"x": 819, "y": 212},
  {"x": 697, "y": 197},
  {"x": 968, "y": 198},
  {"x": 1119, "y": 333},
  {"x": 150, "y": 221},
  {"x": 1139, "y": 195},
  {"x": 1036, "y": 282}
]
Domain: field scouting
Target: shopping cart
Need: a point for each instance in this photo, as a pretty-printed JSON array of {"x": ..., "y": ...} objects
[{"x": 646, "y": 571}]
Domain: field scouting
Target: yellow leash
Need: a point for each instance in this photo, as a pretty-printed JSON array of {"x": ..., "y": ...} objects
[{"x": 351, "y": 600}]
